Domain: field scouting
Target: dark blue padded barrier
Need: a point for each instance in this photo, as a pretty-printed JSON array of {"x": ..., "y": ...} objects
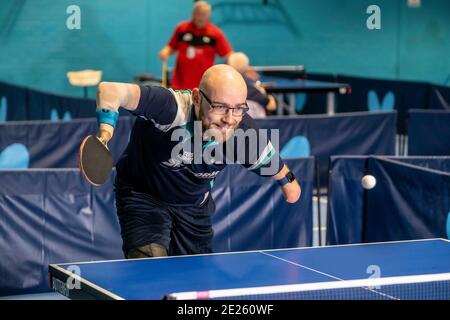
[
  {"x": 43, "y": 106},
  {"x": 55, "y": 144},
  {"x": 429, "y": 132},
  {"x": 346, "y": 221},
  {"x": 409, "y": 202},
  {"x": 439, "y": 97},
  {"x": 24, "y": 104},
  {"x": 384, "y": 95},
  {"x": 345, "y": 200},
  {"x": 343, "y": 134},
  {"x": 13, "y": 103},
  {"x": 48, "y": 144},
  {"x": 53, "y": 216},
  {"x": 246, "y": 219}
]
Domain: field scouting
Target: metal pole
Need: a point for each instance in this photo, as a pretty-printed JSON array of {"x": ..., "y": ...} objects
[
  {"x": 331, "y": 103},
  {"x": 319, "y": 219}
]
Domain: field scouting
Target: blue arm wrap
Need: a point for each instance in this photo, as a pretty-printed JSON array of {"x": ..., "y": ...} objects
[{"x": 107, "y": 116}]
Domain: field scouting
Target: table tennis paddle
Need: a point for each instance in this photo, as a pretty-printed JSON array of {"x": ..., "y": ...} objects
[{"x": 95, "y": 160}]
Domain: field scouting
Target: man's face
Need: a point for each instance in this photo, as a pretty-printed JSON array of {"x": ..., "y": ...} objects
[
  {"x": 218, "y": 118},
  {"x": 201, "y": 16}
]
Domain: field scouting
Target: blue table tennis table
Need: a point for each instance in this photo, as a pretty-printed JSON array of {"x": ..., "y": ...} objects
[
  {"x": 418, "y": 269},
  {"x": 279, "y": 87}
]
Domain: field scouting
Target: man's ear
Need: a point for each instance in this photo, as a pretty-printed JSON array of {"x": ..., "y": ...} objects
[{"x": 196, "y": 96}]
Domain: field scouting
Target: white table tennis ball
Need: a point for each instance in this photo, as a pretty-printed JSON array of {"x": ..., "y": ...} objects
[{"x": 368, "y": 182}]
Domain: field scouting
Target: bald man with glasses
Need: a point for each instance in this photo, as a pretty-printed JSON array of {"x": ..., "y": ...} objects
[{"x": 163, "y": 178}]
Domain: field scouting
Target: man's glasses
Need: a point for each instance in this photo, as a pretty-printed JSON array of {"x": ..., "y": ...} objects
[{"x": 221, "y": 109}]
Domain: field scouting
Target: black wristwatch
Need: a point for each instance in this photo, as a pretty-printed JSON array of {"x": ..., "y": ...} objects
[{"x": 287, "y": 179}]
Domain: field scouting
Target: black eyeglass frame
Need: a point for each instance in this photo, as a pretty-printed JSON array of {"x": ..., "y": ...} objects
[{"x": 214, "y": 108}]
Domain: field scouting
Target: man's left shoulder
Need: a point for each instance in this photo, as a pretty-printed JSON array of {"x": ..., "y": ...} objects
[
  {"x": 183, "y": 98},
  {"x": 249, "y": 82},
  {"x": 211, "y": 27},
  {"x": 184, "y": 26}
]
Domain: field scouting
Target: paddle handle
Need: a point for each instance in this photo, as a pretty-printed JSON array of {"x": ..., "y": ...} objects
[
  {"x": 105, "y": 132},
  {"x": 164, "y": 74}
]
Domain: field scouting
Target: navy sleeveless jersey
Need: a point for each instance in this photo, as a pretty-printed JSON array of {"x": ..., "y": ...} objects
[{"x": 149, "y": 164}]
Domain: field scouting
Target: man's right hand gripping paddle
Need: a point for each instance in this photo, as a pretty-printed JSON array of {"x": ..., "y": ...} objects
[{"x": 95, "y": 159}]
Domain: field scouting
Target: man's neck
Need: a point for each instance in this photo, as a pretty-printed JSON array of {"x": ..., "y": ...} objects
[
  {"x": 196, "y": 112},
  {"x": 197, "y": 27}
]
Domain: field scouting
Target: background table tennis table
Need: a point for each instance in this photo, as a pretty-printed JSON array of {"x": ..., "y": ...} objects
[
  {"x": 214, "y": 275},
  {"x": 290, "y": 80},
  {"x": 280, "y": 86}
]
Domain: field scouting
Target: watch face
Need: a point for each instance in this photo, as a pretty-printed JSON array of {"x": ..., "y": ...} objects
[{"x": 290, "y": 176}]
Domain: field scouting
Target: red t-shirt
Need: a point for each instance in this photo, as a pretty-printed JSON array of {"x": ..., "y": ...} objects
[{"x": 196, "y": 52}]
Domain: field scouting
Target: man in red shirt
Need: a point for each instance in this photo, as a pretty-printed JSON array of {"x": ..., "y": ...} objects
[{"x": 196, "y": 41}]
